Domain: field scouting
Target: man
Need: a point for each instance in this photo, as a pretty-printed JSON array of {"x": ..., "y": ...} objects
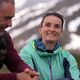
[{"x": 8, "y": 55}]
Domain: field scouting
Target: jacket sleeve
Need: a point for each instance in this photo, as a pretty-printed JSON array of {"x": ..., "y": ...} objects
[
  {"x": 12, "y": 59},
  {"x": 71, "y": 68},
  {"x": 8, "y": 76},
  {"x": 26, "y": 56}
]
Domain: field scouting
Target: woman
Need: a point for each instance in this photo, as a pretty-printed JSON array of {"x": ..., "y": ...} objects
[{"x": 46, "y": 55}]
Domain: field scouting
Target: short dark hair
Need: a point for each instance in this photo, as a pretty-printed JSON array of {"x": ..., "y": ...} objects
[
  {"x": 53, "y": 14},
  {"x": 12, "y": 1}
]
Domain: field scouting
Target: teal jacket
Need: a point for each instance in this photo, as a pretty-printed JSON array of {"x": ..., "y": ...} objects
[{"x": 51, "y": 65}]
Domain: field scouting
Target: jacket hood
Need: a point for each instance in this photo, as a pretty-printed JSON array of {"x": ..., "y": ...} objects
[{"x": 41, "y": 49}]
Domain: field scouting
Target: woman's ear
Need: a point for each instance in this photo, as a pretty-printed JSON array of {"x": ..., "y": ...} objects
[
  {"x": 40, "y": 28},
  {"x": 62, "y": 33}
]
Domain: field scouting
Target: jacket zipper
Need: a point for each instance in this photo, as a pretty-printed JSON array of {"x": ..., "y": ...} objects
[{"x": 49, "y": 60}]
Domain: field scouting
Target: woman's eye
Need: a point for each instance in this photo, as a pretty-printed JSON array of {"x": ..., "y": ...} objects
[
  {"x": 57, "y": 26},
  {"x": 48, "y": 24}
]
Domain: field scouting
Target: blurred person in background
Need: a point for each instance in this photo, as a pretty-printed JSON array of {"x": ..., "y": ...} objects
[
  {"x": 46, "y": 54},
  {"x": 8, "y": 55}
]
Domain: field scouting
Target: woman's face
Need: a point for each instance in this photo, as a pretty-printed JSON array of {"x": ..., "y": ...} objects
[{"x": 51, "y": 29}]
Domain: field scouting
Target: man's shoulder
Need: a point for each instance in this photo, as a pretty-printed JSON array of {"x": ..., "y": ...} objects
[
  {"x": 8, "y": 38},
  {"x": 6, "y": 33}
]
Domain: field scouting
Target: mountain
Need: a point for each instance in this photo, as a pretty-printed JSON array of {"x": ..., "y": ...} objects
[{"x": 28, "y": 17}]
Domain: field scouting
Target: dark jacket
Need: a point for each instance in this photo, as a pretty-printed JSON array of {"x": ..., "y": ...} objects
[{"x": 12, "y": 60}]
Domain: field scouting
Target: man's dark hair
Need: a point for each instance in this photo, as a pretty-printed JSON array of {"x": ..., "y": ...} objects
[
  {"x": 53, "y": 14},
  {"x": 12, "y": 1}
]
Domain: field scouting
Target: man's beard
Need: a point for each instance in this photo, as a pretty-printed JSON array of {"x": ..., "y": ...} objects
[{"x": 2, "y": 29}]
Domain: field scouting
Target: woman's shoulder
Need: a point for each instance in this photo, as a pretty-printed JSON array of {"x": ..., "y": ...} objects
[
  {"x": 66, "y": 54},
  {"x": 28, "y": 46}
]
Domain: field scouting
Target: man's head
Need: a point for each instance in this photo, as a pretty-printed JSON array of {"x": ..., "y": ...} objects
[
  {"x": 7, "y": 12},
  {"x": 12, "y": 1}
]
